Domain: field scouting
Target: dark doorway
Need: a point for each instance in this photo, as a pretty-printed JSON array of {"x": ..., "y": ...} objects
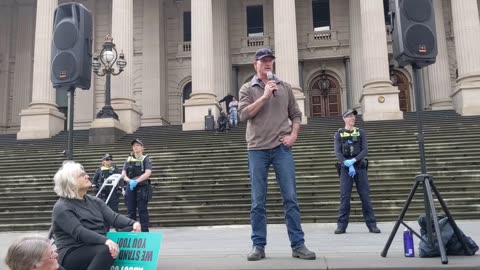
[
  {"x": 255, "y": 21},
  {"x": 401, "y": 81},
  {"x": 187, "y": 91}
]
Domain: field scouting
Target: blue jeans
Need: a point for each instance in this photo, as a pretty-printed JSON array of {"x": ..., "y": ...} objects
[
  {"x": 259, "y": 162},
  {"x": 233, "y": 118},
  {"x": 363, "y": 189}
]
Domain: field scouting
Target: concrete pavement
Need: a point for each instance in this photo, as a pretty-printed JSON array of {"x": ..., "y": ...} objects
[{"x": 226, "y": 247}]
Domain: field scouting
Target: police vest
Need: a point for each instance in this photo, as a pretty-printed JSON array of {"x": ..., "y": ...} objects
[
  {"x": 135, "y": 166},
  {"x": 106, "y": 172},
  {"x": 351, "y": 142}
]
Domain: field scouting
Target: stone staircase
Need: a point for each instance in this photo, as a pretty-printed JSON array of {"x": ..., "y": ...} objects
[{"x": 202, "y": 177}]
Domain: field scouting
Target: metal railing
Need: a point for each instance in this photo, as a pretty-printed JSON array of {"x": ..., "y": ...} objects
[
  {"x": 255, "y": 42},
  {"x": 321, "y": 36},
  {"x": 184, "y": 49},
  {"x": 322, "y": 39}
]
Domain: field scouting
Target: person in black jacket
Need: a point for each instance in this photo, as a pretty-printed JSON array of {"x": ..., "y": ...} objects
[
  {"x": 227, "y": 99},
  {"x": 136, "y": 171},
  {"x": 351, "y": 149},
  {"x": 80, "y": 222},
  {"x": 223, "y": 123},
  {"x": 102, "y": 173}
]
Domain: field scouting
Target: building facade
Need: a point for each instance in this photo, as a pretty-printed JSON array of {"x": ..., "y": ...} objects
[{"x": 184, "y": 56}]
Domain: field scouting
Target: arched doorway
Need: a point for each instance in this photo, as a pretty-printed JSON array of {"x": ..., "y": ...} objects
[
  {"x": 399, "y": 80},
  {"x": 187, "y": 91},
  {"x": 325, "y": 97}
]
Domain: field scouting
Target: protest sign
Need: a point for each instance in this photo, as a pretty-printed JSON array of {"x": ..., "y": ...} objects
[{"x": 138, "y": 251}]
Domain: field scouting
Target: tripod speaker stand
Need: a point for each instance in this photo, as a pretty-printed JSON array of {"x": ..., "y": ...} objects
[{"x": 428, "y": 186}]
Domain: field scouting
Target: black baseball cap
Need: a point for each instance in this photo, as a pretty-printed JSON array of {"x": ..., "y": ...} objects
[
  {"x": 137, "y": 141},
  {"x": 107, "y": 157},
  {"x": 264, "y": 52},
  {"x": 349, "y": 111}
]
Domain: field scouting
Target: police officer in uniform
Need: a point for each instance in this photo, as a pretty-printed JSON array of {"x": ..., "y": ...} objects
[
  {"x": 99, "y": 178},
  {"x": 136, "y": 171},
  {"x": 351, "y": 149}
]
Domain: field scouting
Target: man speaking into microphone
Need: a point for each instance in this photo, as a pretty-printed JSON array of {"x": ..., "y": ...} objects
[{"x": 268, "y": 103}]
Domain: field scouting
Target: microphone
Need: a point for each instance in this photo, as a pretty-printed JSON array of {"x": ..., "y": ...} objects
[{"x": 271, "y": 78}]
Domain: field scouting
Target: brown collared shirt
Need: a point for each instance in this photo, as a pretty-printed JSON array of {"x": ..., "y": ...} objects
[{"x": 265, "y": 129}]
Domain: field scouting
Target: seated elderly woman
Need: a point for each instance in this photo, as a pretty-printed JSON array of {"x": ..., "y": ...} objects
[
  {"x": 80, "y": 222},
  {"x": 32, "y": 252}
]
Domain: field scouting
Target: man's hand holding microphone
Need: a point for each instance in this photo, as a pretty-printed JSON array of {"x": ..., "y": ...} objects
[{"x": 271, "y": 85}]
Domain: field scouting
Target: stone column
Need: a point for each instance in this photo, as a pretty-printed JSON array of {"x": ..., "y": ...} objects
[
  {"x": 221, "y": 47},
  {"x": 235, "y": 86},
  {"x": 85, "y": 100},
  {"x": 42, "y": 118},
  {"x": 356, "y": 56},
  {"x": 379, "y": 98},
  {"x": 108, "y": 130},
  {"x": 22, "y": 84},
  {"x": 154, "y": 102},
  {"x": 439, "y": 73},
  {"x": 286, "y": 50},
  {"x": 466, "y": 27},
  {"x": 5, "y": 36},
  {"x": 122, "y": 85},
  {"x": 348, "y": 86},
  {"x": 203, "y": 95}
]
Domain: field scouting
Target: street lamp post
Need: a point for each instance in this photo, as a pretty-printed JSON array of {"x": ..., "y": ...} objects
[{"x": 106, "y": 59}]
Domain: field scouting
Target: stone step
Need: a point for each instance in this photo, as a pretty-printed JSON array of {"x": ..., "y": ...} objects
[
  {"x": 329, "y": 214},
  {"x": 330, "y": 209},
  {"x": 202, "y": 177},
  {"x": 435, "y": 132},
  {"x": 210, "y": 197}
]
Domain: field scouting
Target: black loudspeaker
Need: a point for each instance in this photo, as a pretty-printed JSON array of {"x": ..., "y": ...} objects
[
  {"x": 71, "y": 56},
  {"x": 414, "y": 36}
]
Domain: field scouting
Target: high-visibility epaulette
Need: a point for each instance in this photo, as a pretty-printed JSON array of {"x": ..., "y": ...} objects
[
  {"x": 343, "y": 133},
  {"x": 141, "y": 159}
]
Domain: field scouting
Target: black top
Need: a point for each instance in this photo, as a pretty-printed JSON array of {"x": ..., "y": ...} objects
[
  {"x": 135, "y": 167},
  {"x": 227, "y": 99},
  {"x": 147, "y": 163},
  {"x": 222, "y": 118},
  {"x": 363, "y": 146},
  {"x": 78, "y": 223},
  {"x": 105, "y": 173}
]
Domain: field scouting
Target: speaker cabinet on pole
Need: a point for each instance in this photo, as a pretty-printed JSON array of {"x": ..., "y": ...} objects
[
  {"x": 414, "y": 36},
  {"x": 71, "y": 56}
]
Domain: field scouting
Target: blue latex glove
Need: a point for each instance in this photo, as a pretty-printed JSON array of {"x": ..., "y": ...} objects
[
  {"x": 132, "y": 183},
  {"x": 350, "y": 142},
  {"x": 351, "y": 171},
  {"x": 349, "y": 162}
]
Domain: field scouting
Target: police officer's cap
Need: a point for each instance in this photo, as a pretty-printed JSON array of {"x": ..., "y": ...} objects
[
  {"x": 349, "y": 111},
  {"x": 137, "y": 141},
  {"x": 107, "y": 157}
]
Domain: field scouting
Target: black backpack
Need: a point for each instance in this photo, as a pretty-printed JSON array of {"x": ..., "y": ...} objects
[{"x": 453, "y": 246}]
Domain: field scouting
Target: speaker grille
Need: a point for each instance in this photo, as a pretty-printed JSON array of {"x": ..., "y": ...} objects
[
  {"x": 65, "y": 36},
  {"x": 418, "y": 11},
  {"x": 64, "y": 66},
  {"x": 420, "y": 39}
]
